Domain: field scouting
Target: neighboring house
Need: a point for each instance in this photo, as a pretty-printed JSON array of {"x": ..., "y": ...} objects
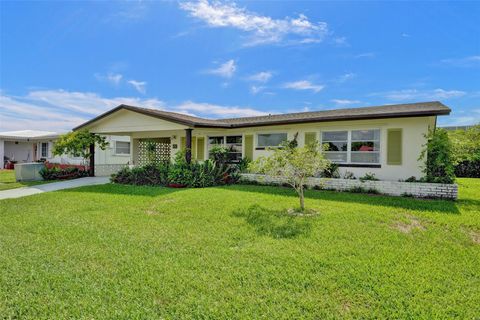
[
  {"x": 385, "y": 140},
  {"x": 31, "y": 145}
]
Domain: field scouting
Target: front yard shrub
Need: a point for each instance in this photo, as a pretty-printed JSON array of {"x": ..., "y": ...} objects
[
  {"x": 468, "y": 169},
  {"x": 62, "y": 174},
  {"x": 438, "y": 157},
  {"x": 294, "y": 164},
  {"x": 331, "y": 171},
  {"x": 179, "y": 174},
  {"x": 349, "y": 175},
  {"x": 369, "y": 176},
  {"x": 411, "y": 179},
  {"x": 150, "y": 175}
]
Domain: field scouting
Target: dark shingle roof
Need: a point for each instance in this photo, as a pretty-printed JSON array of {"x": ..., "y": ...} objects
[{"x": 433, "y": 108}]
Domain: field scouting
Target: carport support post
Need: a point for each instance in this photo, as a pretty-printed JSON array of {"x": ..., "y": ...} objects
[
  {"x": 188, "y": 145},
  {"x": 91, "y": 172}
]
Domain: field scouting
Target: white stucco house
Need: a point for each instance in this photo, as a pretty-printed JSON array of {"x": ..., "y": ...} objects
[
  {"x": 32, "y": 145},
  {"x": 385, "y": 140}
]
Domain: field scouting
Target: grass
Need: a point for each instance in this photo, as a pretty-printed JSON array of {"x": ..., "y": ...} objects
[
  {"x": 114, "y": 251},
  {"x": 7, "y": 181}
]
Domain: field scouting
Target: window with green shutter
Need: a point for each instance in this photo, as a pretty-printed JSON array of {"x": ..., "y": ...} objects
[
  {"x": 394, "y": 146},
  {"x": 200, "y": 148},
  {"x": 183, "y": 143},
  {"x": 310, "y": 137},
  {"x": 248, "y": 144}
]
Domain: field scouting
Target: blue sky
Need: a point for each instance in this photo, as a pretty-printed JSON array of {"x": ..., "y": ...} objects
[{"x": 62, "y": 63}]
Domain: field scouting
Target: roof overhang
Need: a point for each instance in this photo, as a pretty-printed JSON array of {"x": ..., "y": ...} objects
[{"x": 322, "y": 116}]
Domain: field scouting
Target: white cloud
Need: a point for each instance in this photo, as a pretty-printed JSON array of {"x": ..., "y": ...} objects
[
  {"x": 215, "y": 111},
  {"x": 256, "y": 89},
  {"x": 344, "y": 102},
  {"x": 414, "y": 94},
  {"x": 345, "y": 77},
  {"x": 113, "y": 78},
  {"x": 365, "y": 55},
  {"x": 59, "y": 110},
  {"x": 225, "y": 70},
  {"x": 260, "y": 29},
  {"x": 303, "y": 85},
  {"x": 263, "y": 76},
  {"x": 138, "y": 85},
  {"x": 341, "y": 41},
  {"x": 470, "y": 61}
]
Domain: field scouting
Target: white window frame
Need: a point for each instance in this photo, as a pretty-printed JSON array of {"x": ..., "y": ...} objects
[
  {"x": 41, "y": 150},
  {"x": 224, "y": 144},
  {"x": 264, "y": 133},
  {"x": 349, "y": 145},
  {"x": 122, "y": 154}
]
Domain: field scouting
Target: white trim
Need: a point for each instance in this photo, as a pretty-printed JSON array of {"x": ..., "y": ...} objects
[
  {"x": 224, "y": 144},
  {"x": 270, "y": 133},
  {"x": 121, "y": 154},
  {"x": 349, "y": 144}
]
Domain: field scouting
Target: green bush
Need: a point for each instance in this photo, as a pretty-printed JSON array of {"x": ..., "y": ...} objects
[
  {"x": 349, "y": 175},
  {"x": 438, "y": 157},
  {"x": 179, "y": 174},
  {"x": 62, "y": 174},
  {"x": 369, "y": 176},
  {"x": 331, "y": 171},
  {"x": 149, "y": 174},
  {"x": 468, "y": 169},
  {"x": 466, "y": 151}
]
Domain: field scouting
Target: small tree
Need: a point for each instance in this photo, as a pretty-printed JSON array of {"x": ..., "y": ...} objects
[
  {"x": 438, "y": 157},
  {"x": 293, "y": 164},
  {"x": 77, "y": 143}
]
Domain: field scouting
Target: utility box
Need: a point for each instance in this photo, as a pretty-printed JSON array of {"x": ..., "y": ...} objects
[{"x": 28, "y": 171}]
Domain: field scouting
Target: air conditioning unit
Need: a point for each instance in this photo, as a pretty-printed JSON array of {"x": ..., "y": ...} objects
[{"x": 28, "y": 171}]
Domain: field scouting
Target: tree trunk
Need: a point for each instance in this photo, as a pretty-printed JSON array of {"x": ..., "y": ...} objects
[{"x": 302, "y": 199}]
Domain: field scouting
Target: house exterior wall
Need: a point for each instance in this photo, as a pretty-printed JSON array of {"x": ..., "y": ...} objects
[
  {"x": 21, "y": 151},
  {"x": 125, "y": 121},
  {"x": 108, "y": 161},
  {"x": 413, "y": 131},
  {"x": 138, "y": 126}
]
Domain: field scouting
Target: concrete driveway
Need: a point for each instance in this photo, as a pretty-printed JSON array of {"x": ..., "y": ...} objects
[{"x": 54, "y": 186}]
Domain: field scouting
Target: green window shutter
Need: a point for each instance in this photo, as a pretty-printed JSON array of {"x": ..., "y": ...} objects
[
  {"x": 310, "y": 137},
  {"x": 248, "y": 147},
  {"x": 194, "y": 147},
  {"x": 183, "y": 143},
  {"x": 394, "y": 146},
  {"x": 200, "y": 148}
]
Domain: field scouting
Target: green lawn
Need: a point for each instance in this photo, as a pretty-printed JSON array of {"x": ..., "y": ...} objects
[
  {"x": 122, "y": 252},
  {"x": 7, "y": 181}
]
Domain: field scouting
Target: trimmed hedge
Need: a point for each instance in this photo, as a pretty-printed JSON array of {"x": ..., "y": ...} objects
[
  {"x": 62, "y": 174},
  {"x": 181, "y": 174},
  {"x": 468, "y": 169}
]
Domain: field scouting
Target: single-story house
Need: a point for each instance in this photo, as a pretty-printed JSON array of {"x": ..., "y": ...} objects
[
  {"x": 32, "y": 145},
  {"x": 385, "y": 140}
]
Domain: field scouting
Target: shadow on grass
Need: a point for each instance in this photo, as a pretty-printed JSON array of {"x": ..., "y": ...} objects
[
  {"x": 274, "y": 223},
  {"x": 444, "y": 206},
  {"x": 124, "y": 189}
]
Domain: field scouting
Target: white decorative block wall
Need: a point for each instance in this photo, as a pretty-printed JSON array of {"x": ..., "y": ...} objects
[
  {"x": 392, "y": 188},
  {"x": 106, "y": 170}
]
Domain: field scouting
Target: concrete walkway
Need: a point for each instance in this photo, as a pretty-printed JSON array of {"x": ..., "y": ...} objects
[{"x": 53, "y": 186}]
